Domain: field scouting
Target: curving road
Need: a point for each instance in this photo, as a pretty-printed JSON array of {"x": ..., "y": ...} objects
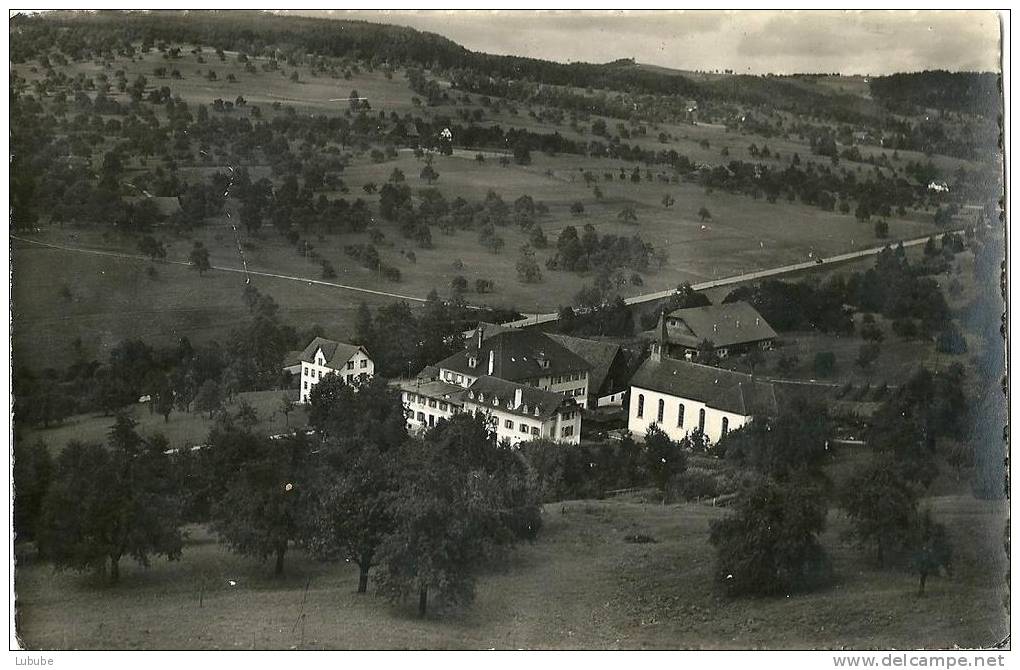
[
  {"x": 737, "y": 279},
  {"x": 531, "y": 320}
]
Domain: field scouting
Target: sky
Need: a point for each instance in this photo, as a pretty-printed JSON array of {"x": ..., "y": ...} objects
[{"x": 756, "y": 42}]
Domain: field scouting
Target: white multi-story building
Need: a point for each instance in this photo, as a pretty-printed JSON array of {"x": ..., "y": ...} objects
[
  {"x": 322, "y": 356},
  {"x": 680, "y": 397},
  {"x": 429, "y": 401},
  {"x": 524, "y": 356},
  {"x": 516, "y": 412}
]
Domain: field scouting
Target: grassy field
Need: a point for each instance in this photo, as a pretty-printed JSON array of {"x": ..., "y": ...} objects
[
  {"x": 579, "y": 586},
  {"x": 113, "y": 299},
  {"x": 184, "y": 429}
]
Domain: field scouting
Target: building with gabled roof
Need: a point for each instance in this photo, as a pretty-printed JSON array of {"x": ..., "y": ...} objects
[
  {"x": 732, "y": 328},
  {"x": 518, "y": 412},
  {"x": 679, "y": 397},
  {"x": 525, "y": 356},
  {"x": 428, "y": 400},
  {"x": 323, "y": 356},
  {"x": 609, "y": 372}
]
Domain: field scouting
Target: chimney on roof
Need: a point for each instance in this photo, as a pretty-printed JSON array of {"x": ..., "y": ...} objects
[
  {"x": 738, "y": 323},
  {"x": 518, "y": 397},
  {"x": 481, "y": 333},
  {"x": 658, "y": 346},
  {"x": 715, "y": 327},
  {"x": 757, "y": 321},
  {"x": 492, "y": 360}
]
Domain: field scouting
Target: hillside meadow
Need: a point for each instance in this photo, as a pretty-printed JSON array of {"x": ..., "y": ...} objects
[{"x": 580, "y": 585}]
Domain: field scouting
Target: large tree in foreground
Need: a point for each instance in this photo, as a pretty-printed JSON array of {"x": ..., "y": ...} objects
[
  {"x": 881, "y": 502},
  {"x": 109, "y": 502},
  {"x": 259, "y": 513},
  {"x": 349, "y": 511},
  {"x": 356, "y": 473},
  {"x": 461, "y": 498},
  {"x": 769, "y": 545}
]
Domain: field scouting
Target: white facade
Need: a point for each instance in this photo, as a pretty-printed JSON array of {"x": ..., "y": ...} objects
[
  {"x": 649, "y": 408},
  {"x": 423, "y": 412},
  {"x": 311, "y": 372},
  {"x": 516, "y": 427},
  {"x": 612, "y": 400}
]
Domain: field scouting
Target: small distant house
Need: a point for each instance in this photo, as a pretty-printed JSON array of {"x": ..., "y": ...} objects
[
  {"x": 609, "y": 372},
  {"x": 525, "y": 356},
  {"x": 680, "y": 397},
  {"x": 322, "y": 357},
  {"x": 733, "y": 328}
]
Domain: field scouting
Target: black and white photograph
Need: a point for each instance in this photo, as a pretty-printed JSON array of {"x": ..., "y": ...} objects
[{"x": 509, "y": 330}]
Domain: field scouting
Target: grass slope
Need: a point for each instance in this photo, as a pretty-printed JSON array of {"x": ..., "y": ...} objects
[
  {"x": 184, "y": 429},
  {"x": 579, "y": 586}
]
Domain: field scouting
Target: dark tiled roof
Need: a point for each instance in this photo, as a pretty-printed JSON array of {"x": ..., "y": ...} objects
[
  {"x": 336, "y": 353},
  {"x": 488, "y": 389},
  {"x": 516, "y": 356},
  {"x": 598, "y": 355},
  {"x": 725, "y": 325},
  {"x": 720, "y": 389}
]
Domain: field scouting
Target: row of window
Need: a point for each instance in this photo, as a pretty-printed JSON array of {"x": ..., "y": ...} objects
[
  {"x": 522, "y": 427},
  {"x": 311, "y": 372},
  {"x": 660, "y": 414},
  {"x": 453, "y": 377},
  {"x": 346, "y": 378},
  {"x": 422, "y": 400},
  {"x": 573, "y": 393},
  {"x": 566, "y": 378}
]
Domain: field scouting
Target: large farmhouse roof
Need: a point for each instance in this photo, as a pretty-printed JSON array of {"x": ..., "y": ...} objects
[
  {"x": 719, "y": 389},
  {"x": 724, "y": 325},
  {"x": 517, "y": 355},
  {"x": 501, "y": 394},
  {"x": 336, "y": 353},
  {"x": 598, "y": 355}
]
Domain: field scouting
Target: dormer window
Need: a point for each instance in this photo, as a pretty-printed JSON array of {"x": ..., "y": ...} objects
[
  {"x": 536, "y": 410},
  {"x": 524, "y": 408},
  {"x": 495, "y": 401},
  {"x": 472, "y": 362},
  {"x": 471, "y": 394}
]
